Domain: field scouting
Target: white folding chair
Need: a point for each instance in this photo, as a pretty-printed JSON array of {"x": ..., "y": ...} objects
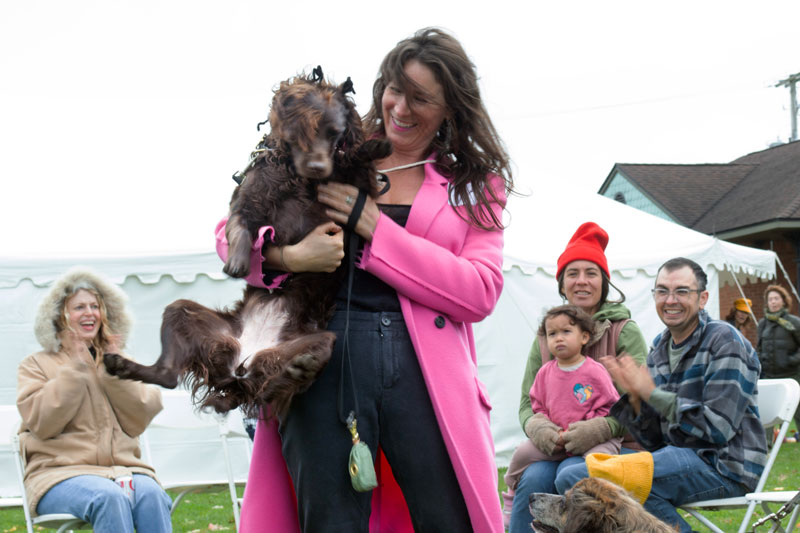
[
  {"x": 59, "y": 521},
  {"x": 10, "y": 494},
  {"x": 184, "y": 447},
  {"x": 781, "y": 498},
  {"x": 777, "y": 401},
  {"x": 238, "y": 449}
]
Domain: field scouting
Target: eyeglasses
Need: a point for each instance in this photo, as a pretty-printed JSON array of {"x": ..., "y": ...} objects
[{"x": 679, "y": 294}]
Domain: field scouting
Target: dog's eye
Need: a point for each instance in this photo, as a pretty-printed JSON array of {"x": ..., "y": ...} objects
[{"x": 333, "y": 133}]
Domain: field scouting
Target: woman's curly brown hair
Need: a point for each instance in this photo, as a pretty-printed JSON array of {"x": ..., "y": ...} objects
[
  {"x": 467, "y": 145},
  {"x": 785, "y": 296}
]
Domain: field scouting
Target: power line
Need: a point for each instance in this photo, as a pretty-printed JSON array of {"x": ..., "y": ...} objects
[{"x": 790, "y": 82}]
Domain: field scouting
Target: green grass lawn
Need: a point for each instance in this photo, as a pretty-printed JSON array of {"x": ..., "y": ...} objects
[
  {"x": 211, "y": 511},
  {"x": 197, "y": 513},
  {"x": 785, "y": 475}
]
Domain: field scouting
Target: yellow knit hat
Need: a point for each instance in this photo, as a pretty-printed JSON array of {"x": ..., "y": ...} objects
[
  {"x": 631, "y": 471},
  {"x": 743, "y": 304}
]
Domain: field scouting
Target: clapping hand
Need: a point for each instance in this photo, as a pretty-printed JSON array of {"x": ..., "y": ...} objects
[{"x": 630, "y": 377}]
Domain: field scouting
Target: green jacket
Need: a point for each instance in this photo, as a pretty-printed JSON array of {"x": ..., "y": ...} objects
[{"x": 630, "y": 340}]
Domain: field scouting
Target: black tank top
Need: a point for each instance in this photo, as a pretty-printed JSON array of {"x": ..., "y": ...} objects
[{"x": 370, "y": 293}]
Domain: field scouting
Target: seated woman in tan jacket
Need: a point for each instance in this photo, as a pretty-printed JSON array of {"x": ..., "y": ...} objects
[{"x": 80, "y": 426}]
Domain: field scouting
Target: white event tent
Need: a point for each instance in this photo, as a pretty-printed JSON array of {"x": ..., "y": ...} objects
[{"x": 536, "y": 236}]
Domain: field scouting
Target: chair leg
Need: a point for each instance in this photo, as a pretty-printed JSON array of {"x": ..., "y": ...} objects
[
  {"x": 751, "y": 507},
  {"x": 703, "y": 520},
  {"x": 66, "y": 527},
  {"x": 793, "y": 518}
]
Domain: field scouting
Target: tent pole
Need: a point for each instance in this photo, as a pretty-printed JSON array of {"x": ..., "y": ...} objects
[{"x": 794, "y": 290}]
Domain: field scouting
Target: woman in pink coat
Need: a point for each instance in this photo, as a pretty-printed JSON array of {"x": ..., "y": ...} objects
[{"x": 430, "y": 265}]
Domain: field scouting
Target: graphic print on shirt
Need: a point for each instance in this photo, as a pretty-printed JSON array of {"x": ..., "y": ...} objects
[{"x": 582, "y": 392}]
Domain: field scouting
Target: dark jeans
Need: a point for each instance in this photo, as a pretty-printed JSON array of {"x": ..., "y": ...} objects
[{"x": 394, "y": 410}]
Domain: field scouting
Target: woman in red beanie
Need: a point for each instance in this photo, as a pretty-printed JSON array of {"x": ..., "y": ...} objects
[{"x": 583, "y": 280}]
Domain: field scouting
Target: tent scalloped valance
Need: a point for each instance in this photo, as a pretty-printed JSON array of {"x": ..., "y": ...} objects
[{"x": 148, "y": 269}]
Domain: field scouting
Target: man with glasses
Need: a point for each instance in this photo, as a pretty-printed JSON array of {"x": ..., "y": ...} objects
[{"x": 694, "y": 405}]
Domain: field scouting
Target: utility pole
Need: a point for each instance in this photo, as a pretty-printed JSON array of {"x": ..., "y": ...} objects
[{"x": 790, "y": 82}]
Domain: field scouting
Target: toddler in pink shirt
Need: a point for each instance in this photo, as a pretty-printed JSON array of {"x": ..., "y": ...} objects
[{"x": 569, "y": 388}]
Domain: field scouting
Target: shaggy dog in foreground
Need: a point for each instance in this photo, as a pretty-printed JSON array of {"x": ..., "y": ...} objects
[
  {"x": 272, "y": 344},
  {"x": 593, "y": 505}
]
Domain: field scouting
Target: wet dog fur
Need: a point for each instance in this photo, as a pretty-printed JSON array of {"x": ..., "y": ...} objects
[
  {"x": 272, "y": 344},
  {"x": 593, "y": 505}
]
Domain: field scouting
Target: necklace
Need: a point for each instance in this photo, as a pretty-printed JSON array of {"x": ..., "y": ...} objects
[{"x": 409, "y": 165}]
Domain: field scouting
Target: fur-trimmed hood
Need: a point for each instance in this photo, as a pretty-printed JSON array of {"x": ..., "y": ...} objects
[{"x": 119, "y": 320}]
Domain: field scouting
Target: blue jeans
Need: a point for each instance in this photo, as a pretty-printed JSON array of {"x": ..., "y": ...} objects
[
  {"x": 103, "y": 504},
  {"x": 538, "y": 477},
  {"x": 679, "y": 476}
]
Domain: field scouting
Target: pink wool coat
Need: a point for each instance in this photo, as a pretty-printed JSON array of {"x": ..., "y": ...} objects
[{"x": 447, "y": 274}]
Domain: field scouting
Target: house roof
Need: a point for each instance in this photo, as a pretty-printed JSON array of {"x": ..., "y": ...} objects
[
  {"x": 712, "y": 198},
  {"x": 686, "y": 192}
]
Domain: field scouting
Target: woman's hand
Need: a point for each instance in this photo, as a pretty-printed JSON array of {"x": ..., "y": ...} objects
[
  {"x": 341, "y": 198},
  {"x": 322, "y": 250},
  {"x": 75, "y": 346}
]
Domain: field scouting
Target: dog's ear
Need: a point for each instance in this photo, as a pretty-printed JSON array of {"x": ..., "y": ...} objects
[
  {"x": 347, "y": 87},
  {"x": 587, "y": 511},
  {"x": 277, "y": 121},
  {"x": 354, "y": 133},
  {"x": 373, "y": 149}
]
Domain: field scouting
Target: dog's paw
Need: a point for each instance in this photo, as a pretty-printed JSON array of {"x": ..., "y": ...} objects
[
  {"x": 236, "y": 267},
  {"x": 305, "y": 367},
  {"x": 116, "y": 365}
]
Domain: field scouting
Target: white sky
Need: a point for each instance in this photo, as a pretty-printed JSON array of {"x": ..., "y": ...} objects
[{"x": 122, "y": 121}]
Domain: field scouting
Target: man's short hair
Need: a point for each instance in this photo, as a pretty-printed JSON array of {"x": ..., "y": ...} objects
[{"x": 680, "y": 262}]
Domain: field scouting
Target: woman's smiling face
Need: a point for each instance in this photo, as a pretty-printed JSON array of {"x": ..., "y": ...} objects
[
  {"x": 583, "y": 285},
  {"x": 83, "y": 315},
  {"x": 411, "y": 121}
]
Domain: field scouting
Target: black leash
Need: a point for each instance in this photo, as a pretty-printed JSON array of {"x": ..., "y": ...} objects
[
  {"x": 352, "y": 246},
  {"x": 360, "y": 465}
]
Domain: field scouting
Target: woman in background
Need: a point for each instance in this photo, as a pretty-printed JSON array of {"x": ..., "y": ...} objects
[
  {"x": 739, "y": 315},
  {"x": 80, "y": 425},
  {"x": 779, "y": 339}
]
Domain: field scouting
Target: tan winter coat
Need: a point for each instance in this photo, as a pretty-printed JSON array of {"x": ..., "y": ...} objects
[{"x": 78, "y": 419}]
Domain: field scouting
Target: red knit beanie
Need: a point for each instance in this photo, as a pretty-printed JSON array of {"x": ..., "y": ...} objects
[{"x": 589, "y": 244}]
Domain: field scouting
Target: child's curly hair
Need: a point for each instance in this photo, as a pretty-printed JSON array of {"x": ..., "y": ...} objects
[{"x": 576, "y": 315}]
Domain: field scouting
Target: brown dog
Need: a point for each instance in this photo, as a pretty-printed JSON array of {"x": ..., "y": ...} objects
[
  {"x": 593, "y": 505},
  {"x": 273, "y": 343}
]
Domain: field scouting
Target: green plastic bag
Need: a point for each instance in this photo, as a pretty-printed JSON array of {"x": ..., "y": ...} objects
[
  {"x": 362, "y": 469},
  {"x": 360, "y": 466}
]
